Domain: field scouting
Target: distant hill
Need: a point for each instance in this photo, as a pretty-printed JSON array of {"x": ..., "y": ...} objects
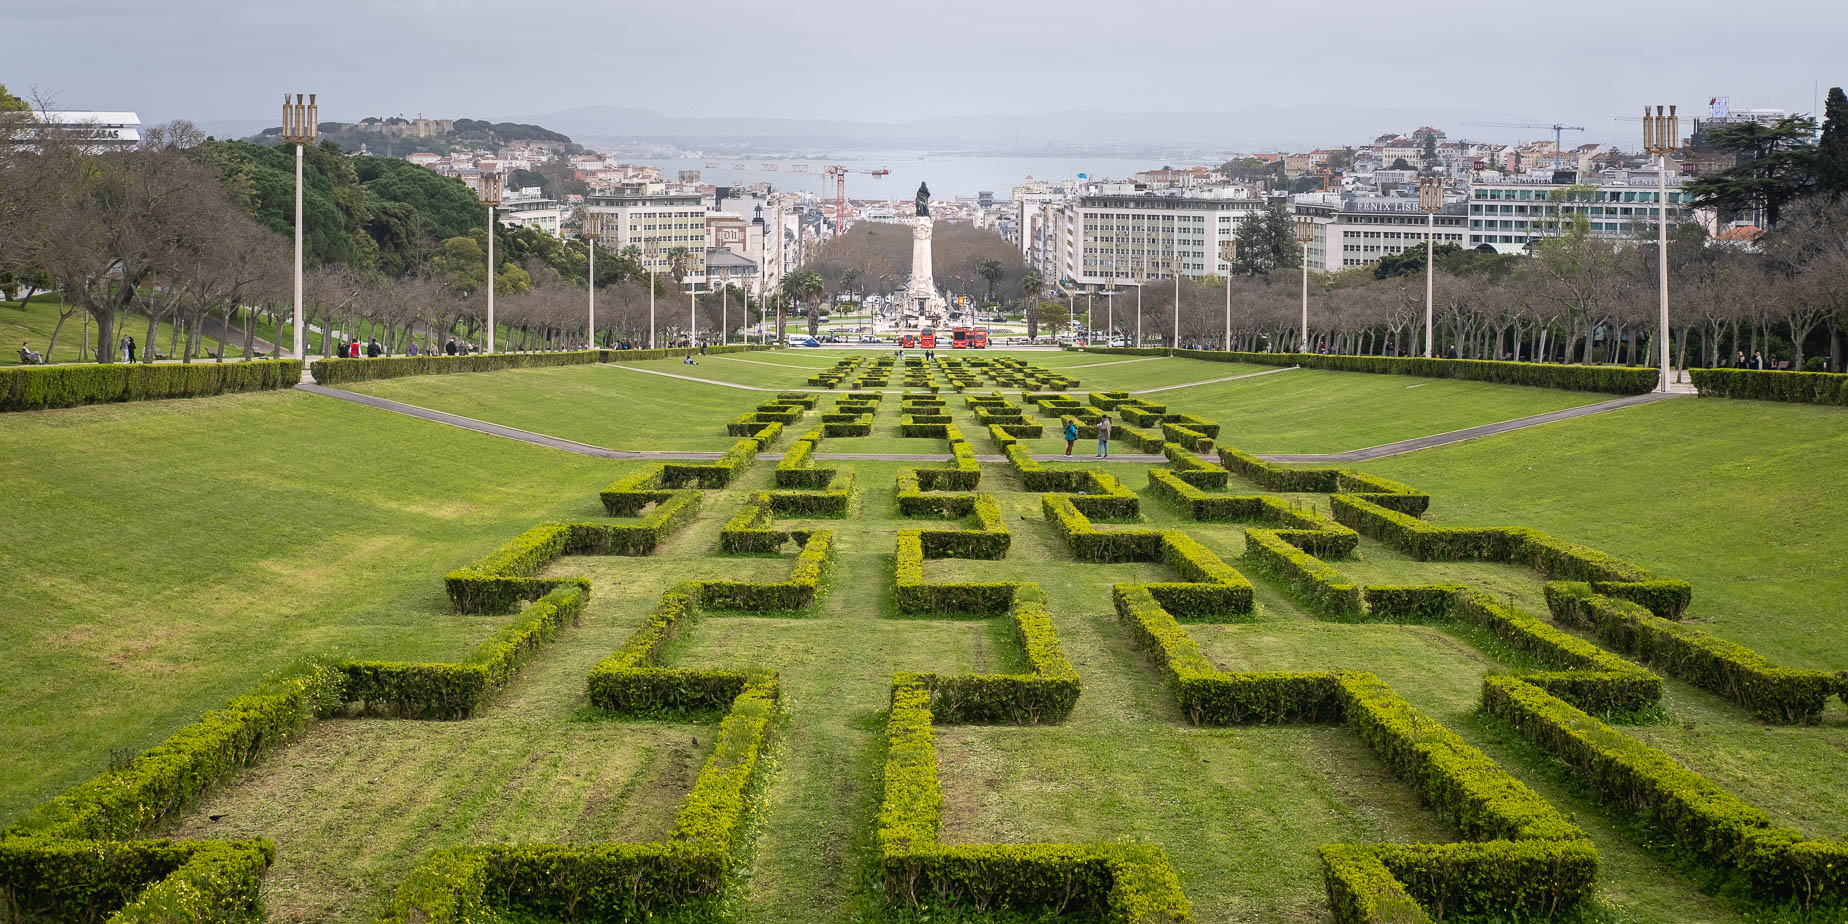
[{"x": 397, "y": 137}]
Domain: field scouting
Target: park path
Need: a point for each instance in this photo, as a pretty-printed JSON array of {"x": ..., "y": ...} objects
[{"x": 900, "y": 391}]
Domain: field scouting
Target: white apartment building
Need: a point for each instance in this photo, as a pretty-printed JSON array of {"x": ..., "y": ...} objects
[
  {"x": 1509, "y": 213},
  {"x": 1358, "y": 230},
  {"x": 648, "y": 219},
  {"x": 1115, "y": 234},
  {"x": 528, "y": 207}
]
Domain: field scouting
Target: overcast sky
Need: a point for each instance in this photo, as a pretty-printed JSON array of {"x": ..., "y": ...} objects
[{"x": 1570, "y": 60}]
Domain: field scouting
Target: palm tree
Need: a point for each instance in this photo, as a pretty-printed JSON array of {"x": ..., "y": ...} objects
[
  {"x": 990, "y": 270},
  {"x": 850, "y": 276},
  {"x": 805, "y": 286}
]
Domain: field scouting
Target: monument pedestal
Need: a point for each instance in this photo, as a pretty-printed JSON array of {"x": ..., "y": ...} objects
[{"x": 921, "y": 296}]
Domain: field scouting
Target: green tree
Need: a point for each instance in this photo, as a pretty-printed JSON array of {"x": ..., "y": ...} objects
[
  {"x": 11, "y": 103},
  {"x": 1267, "y": 243},
  {"x": 805, "y": 287},
  {"x": 1832, "y": 150},
  {"x": 1777, "y": 164},
  {"x": 1400, "y": 163},
  {"x": 990, "y": 270},
  {"x": 1411, "y": 261}
]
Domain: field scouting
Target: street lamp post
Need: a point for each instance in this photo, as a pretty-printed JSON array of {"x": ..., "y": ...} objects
[
  {"x": 593, "y": 229},
  {"x": 300, "y": 125},
  {"x": 1228, "y": 252},
  {"x": 1431, "y": 199},
  {"x": 491, "y": 197},
  {"x": 1305, "y": 233},
  {"x": 1175, "y": 339},
  {"x": 650, "y": 250},
  {"x": 1661, "y": 136},
  {"x": 1142, "y": 275}
]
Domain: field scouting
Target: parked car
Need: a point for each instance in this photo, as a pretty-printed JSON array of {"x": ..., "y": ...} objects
[
  {"x": 810, "y": 342},
  {"x": 868, "y": 338},
  {"x": 1119, "y": 341}
]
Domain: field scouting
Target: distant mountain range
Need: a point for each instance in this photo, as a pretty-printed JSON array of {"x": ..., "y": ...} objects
[
  {"x": 1246, "y": 129},
  {"x": 1249, "y": 128}
]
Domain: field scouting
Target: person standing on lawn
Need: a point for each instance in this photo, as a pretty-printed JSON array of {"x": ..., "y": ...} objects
[
  {"x": 1071, "y": 434},
  {"x": 1103, "y": 437}
]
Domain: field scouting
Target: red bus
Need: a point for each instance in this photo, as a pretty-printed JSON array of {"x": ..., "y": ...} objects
[
  {"x": 906, "y": 342},
  {"x": 978, "y": 339},
  {"x": 927, "y": 339},
  {"x": 959, "y": 338}
]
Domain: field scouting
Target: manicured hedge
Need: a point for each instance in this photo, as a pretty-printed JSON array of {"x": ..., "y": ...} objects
[
  {"x": 495, "y": 583},
  {"x": 1129, "y": 883},
  {"x": 1617, "y": 380},
  {"x": 1775, "y": 694},
  {"x": 1775, "y": 865},
  {"x": 454, "y": 691},
  {"x": 1045, "y": 693},
  {"x": 796, "y": 592},
  {"x": 32, "y": 388},
  {"x": 607, "y": 881},
  {"x": 1321, "y": 587},
  {"x": 1192, "y": 469},
  {"x": 1767, "y": 385},
  {"x": 126, "y": 802},
  {"x": 338, "y": 370},
  {"x": 1546, "y": 554},
  {"x": 630, "y": 680},
  {"x": 133, "y": 882}
]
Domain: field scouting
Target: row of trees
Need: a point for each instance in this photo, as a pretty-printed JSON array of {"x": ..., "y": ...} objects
[
  {"x": 1578, "y": 298},
  {"x": 195, "y": 232}
]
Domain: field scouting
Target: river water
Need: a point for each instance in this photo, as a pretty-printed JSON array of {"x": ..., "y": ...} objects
[{"x": 949, "y": 175}]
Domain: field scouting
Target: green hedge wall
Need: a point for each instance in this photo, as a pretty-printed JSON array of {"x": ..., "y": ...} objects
[
  {"x": 338, "y": 371},
  {"x": 1775, "y": 694},
  {"x": 499, "y": 581},
  {"x": 133, "y": 882},
  {"x": 32, "y": 388},
  {"x": 1775, "y": 866},
  {"x": 1766, "y": 385},
  {"x": 1616, "y": 380},
  {"x": 454, "y": 691}
]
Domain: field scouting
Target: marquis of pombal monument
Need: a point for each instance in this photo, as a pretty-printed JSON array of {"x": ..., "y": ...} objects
[{"x": 921, "y": 295}]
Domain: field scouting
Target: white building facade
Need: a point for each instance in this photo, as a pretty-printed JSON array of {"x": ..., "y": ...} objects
[
  {"x": 1510, "y": 214},
  {"x": 1111, "y": 237}
]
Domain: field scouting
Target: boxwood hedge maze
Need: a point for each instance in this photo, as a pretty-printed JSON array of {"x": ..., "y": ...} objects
[{"x": 933, "y": 687}]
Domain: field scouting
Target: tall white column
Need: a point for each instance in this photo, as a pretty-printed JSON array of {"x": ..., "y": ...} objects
[
  {"x": 1228, "y": 343},
  {"x": 1430, "y": 262},
  {"x": 1662, "y": 258},
  {"x": 1305, "y": 347},
  {"x": 490, "y": 279},
  {"x": 298, "y": 253},
  {"x": 590, "y": 332}
]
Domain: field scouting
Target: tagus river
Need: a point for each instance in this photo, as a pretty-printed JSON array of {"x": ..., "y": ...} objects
[{"x": 949, "y": 175}]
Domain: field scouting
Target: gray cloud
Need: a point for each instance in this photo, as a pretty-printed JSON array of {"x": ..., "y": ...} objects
[{"x": 1573, "y": 60}]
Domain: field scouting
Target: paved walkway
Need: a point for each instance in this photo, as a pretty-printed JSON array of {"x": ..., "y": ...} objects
[
  {"x": 1116, "y": 362},
  {"x": 1458, "y": 436},
  {"x": 1229, "y": 378}
]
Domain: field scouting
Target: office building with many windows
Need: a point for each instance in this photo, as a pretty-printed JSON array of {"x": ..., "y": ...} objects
[
  {"x": 1510, "y": 214},
  {"x": 1359, "y": 230},
  {"x": 638, "y": 214},
  {"x": 1111, "y": 237}
]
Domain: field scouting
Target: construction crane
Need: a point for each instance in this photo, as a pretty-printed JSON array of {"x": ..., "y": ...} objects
[
  {"x": 839, "y": 174},
  {"x": 1557, "y": 128}
]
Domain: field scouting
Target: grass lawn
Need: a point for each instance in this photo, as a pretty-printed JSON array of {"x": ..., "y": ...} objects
[
  {"x": 1313, "y": 410},
  {"x": 605, "y": 406},
  {"x": 1743, "y": 498},
  {"x": 140, "y": 619},
  {"x": 165, "y": 555},
  {"x": 35, "y": 322}
]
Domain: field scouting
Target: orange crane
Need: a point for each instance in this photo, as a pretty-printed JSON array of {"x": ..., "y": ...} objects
[{"x": 839, "y": 173}]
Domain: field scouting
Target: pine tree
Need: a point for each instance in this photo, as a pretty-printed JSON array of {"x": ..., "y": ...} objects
[{"x": 1832, "y": 151}]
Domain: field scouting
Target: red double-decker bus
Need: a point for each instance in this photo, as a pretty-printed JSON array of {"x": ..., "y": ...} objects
[
  {"x": 906, "y": 342},
  {"x": 959, "y": 338},
  {"x": 978, "y": 339},
  {"x": 927, "y": 339}
]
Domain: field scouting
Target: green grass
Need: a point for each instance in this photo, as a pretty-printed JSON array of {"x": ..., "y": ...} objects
[
  {"x": 1742, "y": 498},
  {"x": 607, "y": 406},
  {"x": 178, "y": 550},
  {"x": 163, "y": 556}
]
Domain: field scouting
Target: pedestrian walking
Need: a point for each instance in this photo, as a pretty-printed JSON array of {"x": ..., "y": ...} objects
[
  {"x": 1103, "y": 437},
  {"x": 1758, "y": 359},
  {"x": 412, "y": 349},
  {"x": 372, "y": 348},
  {"x": 1071, "y": 434},
  {"x": 128, "y": 346},
  {"x": 1739, "y": 360},
  {"x": 450, "y": 347}
]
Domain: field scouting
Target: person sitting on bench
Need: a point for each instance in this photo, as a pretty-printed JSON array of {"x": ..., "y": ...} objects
[{"x": 30, "y": 358}]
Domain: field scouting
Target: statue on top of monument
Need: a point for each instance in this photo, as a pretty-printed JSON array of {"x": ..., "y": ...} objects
[{"x": 923, "y": 200}]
